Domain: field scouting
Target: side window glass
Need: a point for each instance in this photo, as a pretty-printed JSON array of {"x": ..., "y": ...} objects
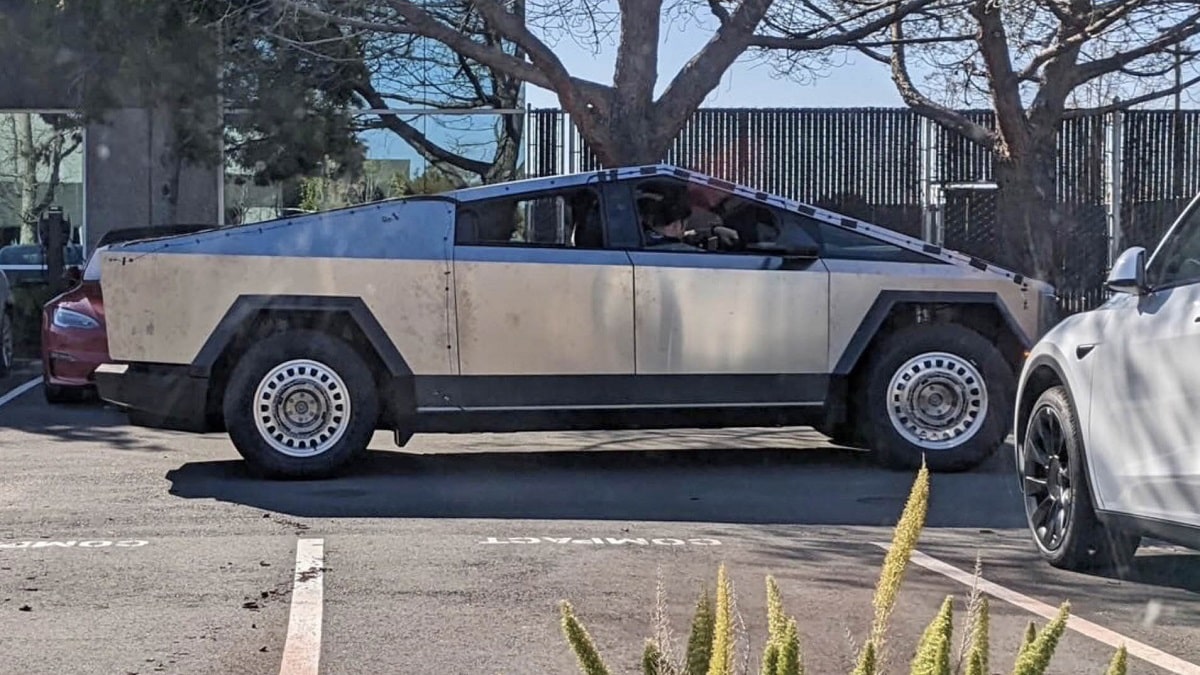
[
  {"x": 679, "y": 216},
  {"x": 1179, "y": 260},
  {"x": 840, "y": 243},
  {"x": 566, "y": 219}
]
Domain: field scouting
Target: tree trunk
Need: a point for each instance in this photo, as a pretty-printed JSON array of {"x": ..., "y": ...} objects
[
  {"x": 28, "y": 178},
  {"x": 635, "y": 141},
  {"x": 1028, "y": 216}
]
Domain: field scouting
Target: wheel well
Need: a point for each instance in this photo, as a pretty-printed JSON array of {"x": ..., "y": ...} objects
[
  {"x": 267, "y": 322},
  {"x": 982, "y": 318},
  {"x": 1042, "y": 378}
]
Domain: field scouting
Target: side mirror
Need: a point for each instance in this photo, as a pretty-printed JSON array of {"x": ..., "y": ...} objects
[{"x": 1128, "y": 273}]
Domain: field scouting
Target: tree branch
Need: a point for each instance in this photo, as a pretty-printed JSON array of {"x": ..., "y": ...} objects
[
  {"x": 927, "y": 107},
  {"x": 806, "y": 41},
  {"x": 1183, "y": 30},
  {"x": 587, "y": 101},
  {"x": 431, "y": 151},
  {"x": 1072, "y": 39},
  {"x": 718, "y": 11},
  {"x": 1137, "y": 100},
  {"x": 703, "y": 73},
  {"x": 1004, "y": 84}
]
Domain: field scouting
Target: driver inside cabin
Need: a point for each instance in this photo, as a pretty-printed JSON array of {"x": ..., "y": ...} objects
[{"x": 682, "y": 222}]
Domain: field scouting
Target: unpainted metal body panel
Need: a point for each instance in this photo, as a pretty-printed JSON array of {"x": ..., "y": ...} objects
[
  {"x": 855, "y": 285},
  {"x": 544, "y": 311},
  {"x": 165, "y": 297},
  {"x": 730, "y": 314},
  {"x": 170, "y": 324}
]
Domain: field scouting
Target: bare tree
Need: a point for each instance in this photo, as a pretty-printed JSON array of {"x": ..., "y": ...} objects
[
  {"x": 37, "y": 157},
  {"x": 410, "y": 71},
  {"x": 624, "y": 122},
  {"x": 391, "y": 75},
  {"x": 1036, "y": 63}
]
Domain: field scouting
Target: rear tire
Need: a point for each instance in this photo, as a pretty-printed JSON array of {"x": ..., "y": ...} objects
[
  {"x": 1058, "y": 502},
  {"x": 56, "y": 394},
  {"x": 300, "y": 404},
  {"x": 938, "y": 393}
]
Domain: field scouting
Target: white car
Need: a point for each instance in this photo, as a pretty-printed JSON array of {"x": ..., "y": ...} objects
[{"x": 1108, "y": 413}]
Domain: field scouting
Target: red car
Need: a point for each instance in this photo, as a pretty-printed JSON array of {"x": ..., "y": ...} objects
[{"x": 74, "y": 342}]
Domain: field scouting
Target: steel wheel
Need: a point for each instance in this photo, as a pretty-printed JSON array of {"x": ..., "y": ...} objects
[
  {"x": 937, "y": 400},
  {"x": 1046, "y": 476},
  {"x": 302, "y": 408}
]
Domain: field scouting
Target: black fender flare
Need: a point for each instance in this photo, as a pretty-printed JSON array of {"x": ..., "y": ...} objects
[
  {"x": 873, "y": 320},
  {"x": 398, "y": 387}
]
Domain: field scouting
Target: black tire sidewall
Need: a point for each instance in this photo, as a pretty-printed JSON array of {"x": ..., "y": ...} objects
[
  {"x": 337, "y": 355},
  {"x": 1086, "y": 544},
  {"x": 892, "y": 449}
]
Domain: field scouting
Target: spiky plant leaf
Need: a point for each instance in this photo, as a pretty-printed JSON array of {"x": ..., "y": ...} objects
[
  {"x": 979, "y": 636},
  {"x": 1034, "y": 659},
  {"x": 789, "y": 651},
  {"x": 652, "y": 660},
  {"x": 974, "y": 598},
  {"x": 770, "y": 659},
  {"x": 721, "y": 660},
  {"x": 775, "y": 620},
  {"x": 700, "y": 640},
  {"x": 933, "y": 651},
  {"x": 581, "y": 643},
  {"x": 1119, "y": 663},
  {"x": 975, "y": 665},
  {"x": 866, "y": 661},
  {"x": 904, "y": 541}
]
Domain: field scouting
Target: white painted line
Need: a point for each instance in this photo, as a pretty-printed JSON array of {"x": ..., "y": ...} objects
[
  {"x": 302, "y": 650},
  {"x": 73, "y": 543},
  {"x": 1086, "y": 628},
  {"x": 12, "y": 395}
]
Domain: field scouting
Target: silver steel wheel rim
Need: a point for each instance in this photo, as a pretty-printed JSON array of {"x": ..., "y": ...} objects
[
  {"x": 937, "y": 401},
  {"x": 301, "y": 408},
  {"x": 6, "y": 340}
]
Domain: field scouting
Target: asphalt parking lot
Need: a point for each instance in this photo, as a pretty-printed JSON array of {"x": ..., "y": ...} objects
[{"x": 129, "y": 550}]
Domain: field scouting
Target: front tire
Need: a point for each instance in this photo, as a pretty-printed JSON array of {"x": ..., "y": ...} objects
[
  {"x": 300, "y": 404},
  {"x": 938, "y": 393},
  {"x": 1058, "y": 502}
]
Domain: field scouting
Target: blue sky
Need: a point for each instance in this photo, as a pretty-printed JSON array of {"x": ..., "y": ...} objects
[{"x": 855, "y": 82}]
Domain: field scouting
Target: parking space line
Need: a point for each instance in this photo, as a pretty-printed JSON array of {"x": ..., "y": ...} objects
[
  {"x": 1080, "y": 625},
  {"x": 302, "y": 650},
  {"x": 12, "y": 395}
]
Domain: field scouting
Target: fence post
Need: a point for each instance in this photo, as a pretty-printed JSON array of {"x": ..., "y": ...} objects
[
  {"x": 1114, "y": 169},
  {"x": 930, "y": 194}
]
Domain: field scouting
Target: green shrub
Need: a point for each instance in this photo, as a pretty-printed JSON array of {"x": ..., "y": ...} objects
[
  {"x": 27, "y": 317},
  {"x": 713, "y": 640}
]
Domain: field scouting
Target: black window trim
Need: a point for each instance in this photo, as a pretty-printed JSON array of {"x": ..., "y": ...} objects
[{"x": 1192, "y": 209}]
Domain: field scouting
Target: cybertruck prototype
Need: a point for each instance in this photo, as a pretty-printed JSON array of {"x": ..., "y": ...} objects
[{"x": 643, "y": 297}]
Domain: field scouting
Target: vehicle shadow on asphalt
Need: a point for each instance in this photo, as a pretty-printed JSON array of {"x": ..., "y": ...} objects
[
  {"x": 827, "y": 486},
  {"x": 85, "y": 421}
]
